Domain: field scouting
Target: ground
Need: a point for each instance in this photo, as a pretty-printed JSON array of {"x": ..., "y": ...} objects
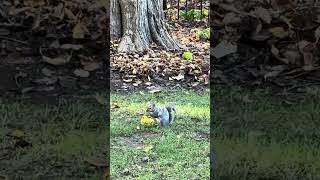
[
  {"x": 178, "y": 152},
  {"x": 52, "y": 49},
  {"x": 162, "y": 76},
  {"x": 260, "y": 137},
  {"x": 50, "y": 142},
  {"x": 52, "y": 124},
  {"x": 266, "y": 93}
]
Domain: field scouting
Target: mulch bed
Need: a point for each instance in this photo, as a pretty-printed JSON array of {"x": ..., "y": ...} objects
[{"x": 50, "y": 49}]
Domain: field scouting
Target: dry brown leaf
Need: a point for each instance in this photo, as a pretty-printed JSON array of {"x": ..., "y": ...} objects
[
  {"x": 27, "y": 89},
  {"x": 60, "y": 60},
  {"x": 59, "y": 11},
  {"x": 231, "y": 18},
  {"x": 275, "y": 71},
  {"x": 70, "y": 14},
  {"x": 81, "y": 73},
  {"x": 90, "y": 66},
  {"x": 47, "y": 72},
  {"x": 15, "y": 11},
  {"x": 263, "y": 14},
  {"x": 75, "y": 47},
  {"x": 46, "y": 81},
  {"x": 223, "y": 48}
]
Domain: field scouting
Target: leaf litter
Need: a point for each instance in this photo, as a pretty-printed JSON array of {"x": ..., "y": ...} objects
[
  {"x": 277, "y": 43},
  {"x": 51, "y": 41},
  {"x": 160, "y": 68}
]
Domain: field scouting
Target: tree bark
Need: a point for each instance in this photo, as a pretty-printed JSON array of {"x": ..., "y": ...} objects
[{"x": 139, "y": 23}]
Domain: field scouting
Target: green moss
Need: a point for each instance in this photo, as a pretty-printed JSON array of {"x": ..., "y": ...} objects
[{"x": 187, "y": 55}]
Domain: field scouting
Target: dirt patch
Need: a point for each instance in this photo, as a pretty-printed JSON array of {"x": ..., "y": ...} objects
[{"x": 133, "y": 141}]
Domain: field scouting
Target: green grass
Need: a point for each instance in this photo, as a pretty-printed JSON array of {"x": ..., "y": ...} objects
[
  {"x": 178, "y": 152},
  {"x": 257, "y": 137},
  {"x": 62, "y": 140}
]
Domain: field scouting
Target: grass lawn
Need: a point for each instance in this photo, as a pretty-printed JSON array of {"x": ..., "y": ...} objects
[
  {"x": 47, "y": 142},
  {"x": 257, "y": 137},
  {"x": 178, "y": 152}
]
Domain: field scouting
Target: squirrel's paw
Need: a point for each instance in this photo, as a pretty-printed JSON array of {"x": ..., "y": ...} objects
[{"x": 158, "y": 120}]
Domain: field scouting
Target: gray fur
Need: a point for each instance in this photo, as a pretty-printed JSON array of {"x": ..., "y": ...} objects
[{"x": 164, "y": 114}]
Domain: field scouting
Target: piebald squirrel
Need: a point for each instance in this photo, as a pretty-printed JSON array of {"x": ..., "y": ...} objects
[{"x": 164, "y": 115}]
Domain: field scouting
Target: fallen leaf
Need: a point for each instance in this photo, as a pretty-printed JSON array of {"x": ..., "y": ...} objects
[
  {"x": 27, "y": 89},
  {"x": 223, "y": 48},
  {"x": 59, "y": 11},
  {"x": 148, "y": 83},
  {"x": 90, "y": 66},
  {"x": 15, "y": 11},
  {"x": 154, "y": 91},
  {"x": 60, "y": 60},
  {"x": 231, "y": 18},
  {"x": 179, "y": 77},
  {"x": 100, "y": 99},
  {"x": 115, "y": 105},
  {"x": 75, "y": 47},
  {"x": 275, "y": 71},
  {"x": 263, "y": 14},
  {"x": 278, "y": 32},
  {"x": 47, "y": 72},
  {"x": 46, "y": 81},
  {"x": 46, "y": 88},
  {"x": 147, "y": 148},
  {"x": 55, "y": 44},
  {"x": 67, "y": 82},
  {"x": 81, "y": 73},
  {"x": 78, "y": 32},
  {"x": 17, "y": 133},
  {"x": 70, "y": 14}
]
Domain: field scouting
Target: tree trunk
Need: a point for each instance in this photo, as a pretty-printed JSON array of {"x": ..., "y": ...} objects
[{"x": 139, "y": 23}]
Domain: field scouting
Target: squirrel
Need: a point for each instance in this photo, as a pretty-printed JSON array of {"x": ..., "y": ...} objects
[{"x": 164, "y": 115}]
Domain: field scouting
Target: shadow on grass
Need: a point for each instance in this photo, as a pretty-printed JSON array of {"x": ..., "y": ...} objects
[
  {"x": 50, "y": 142},
  {"x": 257, "y": 137}
]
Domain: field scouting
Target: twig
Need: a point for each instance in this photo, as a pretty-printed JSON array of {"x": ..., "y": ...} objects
[{"x": 15, "y": 40}]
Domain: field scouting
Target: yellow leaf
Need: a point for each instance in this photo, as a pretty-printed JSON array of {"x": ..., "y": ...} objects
[
  {"x": 147, "y": 148},
  {"x": 78, "y": 32},
  {"x": 147, "y": 121},
  {"x": 18, "y": 133},
  {"x": 278, "y": 32}
]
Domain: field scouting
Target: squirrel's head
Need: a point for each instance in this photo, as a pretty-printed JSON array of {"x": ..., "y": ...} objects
[{"x": 151, "y": 107}]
